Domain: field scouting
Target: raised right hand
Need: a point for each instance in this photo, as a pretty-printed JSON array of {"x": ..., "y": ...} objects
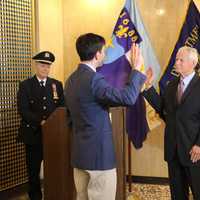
[
  {"x": 136, "y": 58},
  {"x": 150, "y": 77}
]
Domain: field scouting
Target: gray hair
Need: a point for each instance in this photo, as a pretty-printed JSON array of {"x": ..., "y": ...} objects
[{"x": 193, "y": 53}]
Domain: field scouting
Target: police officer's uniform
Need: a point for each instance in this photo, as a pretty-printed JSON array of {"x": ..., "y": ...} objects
[{"x": 36, "y": 101}]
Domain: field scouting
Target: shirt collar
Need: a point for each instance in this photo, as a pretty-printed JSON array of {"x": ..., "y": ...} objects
[
  {"x": 188, "y": 78},
  {"x": 90, "y": 66},
  {"x": 45, "y": 80}
]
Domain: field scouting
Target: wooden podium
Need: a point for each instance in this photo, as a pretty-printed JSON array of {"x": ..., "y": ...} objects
[
  {"x": 118, "y": 126},
  {"x": 58, "y": 174}
]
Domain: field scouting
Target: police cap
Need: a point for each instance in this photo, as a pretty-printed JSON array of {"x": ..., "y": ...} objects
[{"x": 44, "y": 57}]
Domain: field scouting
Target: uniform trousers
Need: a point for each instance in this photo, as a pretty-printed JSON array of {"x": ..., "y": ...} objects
[
  {"x": 95, "y": 184},
  {"x": 34, "y": 157}
]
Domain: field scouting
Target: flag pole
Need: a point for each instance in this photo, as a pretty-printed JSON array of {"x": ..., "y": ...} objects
[
  {"x": 129, "y": 166},
  {"x": 129, "y": 152}
]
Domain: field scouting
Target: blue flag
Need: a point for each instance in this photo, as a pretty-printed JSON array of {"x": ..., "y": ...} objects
[
  {"x": 189, "y": 36},
  {"x": 117, "y": 68},
  {"x": 150, "y": 59},
  {"x": 136, "y": 121}
]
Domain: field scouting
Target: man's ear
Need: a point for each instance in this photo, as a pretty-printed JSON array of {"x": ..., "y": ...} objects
[
  {"x": 195, "y": 63},
  {"x": 97, "y": 55}
]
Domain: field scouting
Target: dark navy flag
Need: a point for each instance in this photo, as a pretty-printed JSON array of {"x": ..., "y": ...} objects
[
  {"x": 189, "y": 36},
  {"x": 117, "y": 68}
]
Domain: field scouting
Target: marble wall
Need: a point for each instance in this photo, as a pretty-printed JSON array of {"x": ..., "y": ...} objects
[
  {"x": 163, "y": 19},
  {"x": 81, "y": 16},
  {"x": 49, "y": 32},
  {"x": 60, "y": 22}
]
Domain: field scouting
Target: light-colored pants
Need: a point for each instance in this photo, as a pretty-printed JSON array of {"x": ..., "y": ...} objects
[{"x": 95, "y": 185}]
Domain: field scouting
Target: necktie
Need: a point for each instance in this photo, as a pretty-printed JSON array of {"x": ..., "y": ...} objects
[
  {"x": 180, "y": 90},
  {"x": 42, "y": 83}
]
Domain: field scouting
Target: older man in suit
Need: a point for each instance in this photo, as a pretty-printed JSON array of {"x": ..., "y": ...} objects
[
  {"x": 37, "y": 98},
  {"x": 179, "y": 107},
  {"x": 88, "y": 98}
]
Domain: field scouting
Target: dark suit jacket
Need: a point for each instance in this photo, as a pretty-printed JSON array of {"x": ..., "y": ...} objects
[
  {"x": 182, "y": 120},
  {"x": 88, "y": 97},
  {"x": 36, "y": 104}
]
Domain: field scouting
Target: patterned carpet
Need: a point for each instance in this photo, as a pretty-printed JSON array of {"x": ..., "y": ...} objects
[
  {"x": 149, "y": 192},
  {"x": 140, "y": 192}
]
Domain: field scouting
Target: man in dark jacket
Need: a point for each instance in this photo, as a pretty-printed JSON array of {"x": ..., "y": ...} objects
[
  {"x": 179, "y": 107},
  {"x": 88, "y": 100},
  {"x": 37, "y": 98}
]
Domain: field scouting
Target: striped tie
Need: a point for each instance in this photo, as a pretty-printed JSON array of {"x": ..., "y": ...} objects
[
  {"x": 42, "y": 83},
  {"x": 180, "y": 90}
]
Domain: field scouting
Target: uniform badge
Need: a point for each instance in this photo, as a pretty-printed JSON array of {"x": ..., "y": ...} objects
[
  {"x": 46, "y": 55},
  {"x": 55, "y": 94}
]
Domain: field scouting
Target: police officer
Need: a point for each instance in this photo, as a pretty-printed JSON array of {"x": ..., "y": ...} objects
[{"x": 37, "y": 98}]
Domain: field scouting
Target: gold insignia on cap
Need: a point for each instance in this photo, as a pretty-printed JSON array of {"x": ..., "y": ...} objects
[{"x": 46, "y": 55}]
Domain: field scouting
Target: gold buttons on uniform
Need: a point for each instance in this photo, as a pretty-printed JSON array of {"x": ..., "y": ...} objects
[
  {"x": 44, "y": 98},
  {"x": 44, "y": 107}
]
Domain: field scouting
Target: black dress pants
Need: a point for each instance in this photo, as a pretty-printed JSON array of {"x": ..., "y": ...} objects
[
  {"x": 34, "y": 157},
  {"x": 181, "y": 178}
]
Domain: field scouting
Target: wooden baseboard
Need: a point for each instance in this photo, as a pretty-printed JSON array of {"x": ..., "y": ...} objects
[
  {"x": 22, "y": 189},
  {"x": 148, "y": 180}
]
